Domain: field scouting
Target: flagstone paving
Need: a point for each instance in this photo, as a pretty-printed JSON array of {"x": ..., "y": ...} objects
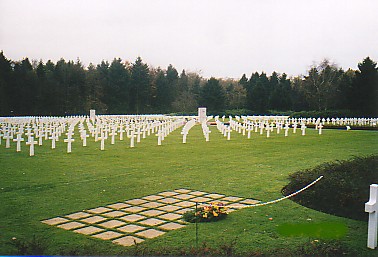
[{"x": 135, "y": 220}]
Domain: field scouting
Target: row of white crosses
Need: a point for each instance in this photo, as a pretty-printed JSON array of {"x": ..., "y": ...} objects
[
  {"x": 185, "y": 130},
  {"x": 223, "y": 128},
  {"x": 205, "y": 129},
  {"x": 40, "y": 129},
  {"x": 51, "y": 128}
]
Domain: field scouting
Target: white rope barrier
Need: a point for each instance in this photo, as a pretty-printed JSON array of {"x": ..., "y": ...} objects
[{"x": 283, "y": 198}]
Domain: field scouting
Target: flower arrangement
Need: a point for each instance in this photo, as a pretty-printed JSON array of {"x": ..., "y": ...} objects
[{"x": 211, "y": 212}]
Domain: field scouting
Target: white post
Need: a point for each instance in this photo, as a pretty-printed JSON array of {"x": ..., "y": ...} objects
[{"x": 372, "y": 208}]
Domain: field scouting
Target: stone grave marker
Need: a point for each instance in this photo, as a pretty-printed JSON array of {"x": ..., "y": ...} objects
[
  {"x": 372, "y": 208},
  {"x": 320, "y": 127},
  {"x": 303, "y": 128},
  {"x": 18, "y": 141},
  {"x": 69, "y": 141},
  {"x": 31, "y": 143},
  {"x": 8, "y": 137}
]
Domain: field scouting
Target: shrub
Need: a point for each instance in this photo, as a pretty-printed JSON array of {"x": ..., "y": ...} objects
[{"x": 343, "y": 190}]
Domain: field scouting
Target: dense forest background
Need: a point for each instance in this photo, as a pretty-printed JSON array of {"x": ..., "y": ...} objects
[{"x": 120, "y": 87}]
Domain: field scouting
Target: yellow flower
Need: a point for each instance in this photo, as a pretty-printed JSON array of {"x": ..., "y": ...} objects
[
  {"x": 215, "y": 214},
  {"x": 205, "y": 215}
]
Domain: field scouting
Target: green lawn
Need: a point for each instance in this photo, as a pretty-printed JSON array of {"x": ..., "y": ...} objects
[{"x": 55, "y": 183}]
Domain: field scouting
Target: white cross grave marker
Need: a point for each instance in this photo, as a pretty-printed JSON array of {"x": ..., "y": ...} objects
[
  {"x": 132, "y": 137},
  {"x": 102, "y": 138},
  {"x": 19, "y": 139},
  {"x": 54, "y": 138},
  {"x": 159, "y": 135},
  {"x": 8, "y": 137},
  {"x": 184, "y": 134},
  {"x": 372, "y": 208},
  {"x": 286, "y": 128},
  {"x": 69, "y": 141},
  {"x": 112, "y": 134},
  {"x": 83, "y": 135},
  {"x": 303, "y": 128},
  {"x": 320, "y": 126},
  {"x": 31, "y": 143},
  {"x": 295, "y": 125}
]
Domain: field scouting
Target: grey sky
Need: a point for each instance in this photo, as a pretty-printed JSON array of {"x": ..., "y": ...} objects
[{"x": 216, "y": 37}]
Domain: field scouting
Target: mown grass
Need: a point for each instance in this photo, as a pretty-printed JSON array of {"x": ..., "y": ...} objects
[{"x": 55, "y": 183}]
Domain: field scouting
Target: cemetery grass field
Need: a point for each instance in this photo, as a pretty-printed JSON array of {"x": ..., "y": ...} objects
[{"x": 54, "y": 183}]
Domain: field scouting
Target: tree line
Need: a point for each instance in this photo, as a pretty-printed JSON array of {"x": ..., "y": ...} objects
[{"x": 120, "y": 87}]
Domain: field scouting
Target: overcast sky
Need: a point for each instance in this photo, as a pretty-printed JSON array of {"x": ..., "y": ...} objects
[{"x": 214, "y": 37}]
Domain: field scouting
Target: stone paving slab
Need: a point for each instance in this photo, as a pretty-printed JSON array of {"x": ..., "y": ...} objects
[
  {"x": 197, "y": 193},
  {"x": 171, "y": 226},
  {"x": 133, "y": 217},
  {"x": 169, "y": 200},
  {"x": 131, "y": 228},
  {"x": 150, "y": 233},
  {"x": 152, "y": 213},
  {"x": 115, "y": 214},
  {"x": 134, "y": 209},
  {"x": 112, "y": 224},
  {"x": 152, "y": 205},
  {"x": 182, "y": 191},
  {"x": 201, "y": 199},
  {"x": 71, "y": 225},
  {"x": 184, "y": 196},
  {"x": 88, "y": 230},
  {"x": 170, "y": 216},
  {"x": 126, "y": 223},
  {"x": 168, "y": 193},
  {"x": 93, "y": 219},
  {"x": 185, "y": 204},
  {"x": 55, "y": 221},
  {"x": 128, "y": 241},
  {"x": 169, "y": 208},
  {"x": 136, "y": 201},
  {"x": 151, "y": 222},
  {"x": 118, "y": 206},
  {"x": 108, "y": 235},
  {"x": 99, "y": 210},
  {"x": 78, "y": 215},
  {"x": 152, "y": 197},
  {"x": 215, "y": 196}
]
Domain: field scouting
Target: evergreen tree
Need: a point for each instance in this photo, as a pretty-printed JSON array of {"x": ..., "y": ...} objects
[
  {"x": 213, "y": 96},
  {"x": 162, "y": 92},
  {"x": 140, "y": 87},
  {"x": 118, "y": 90},
  {"x": 5, "y": 85},
  {"x": 365, "y": 88}
]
